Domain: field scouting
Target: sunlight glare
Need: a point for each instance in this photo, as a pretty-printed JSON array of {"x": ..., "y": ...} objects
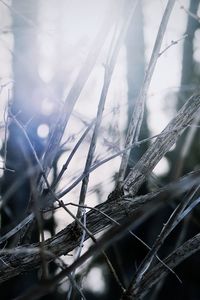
[
  {"x": 95, "y": 281},
  {"x": 162, "y": 167}
]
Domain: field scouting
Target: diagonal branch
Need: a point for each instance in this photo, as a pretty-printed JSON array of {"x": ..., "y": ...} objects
[
  {"x": 163, "y": 143},
  {"x": 109, "y": 68},
  {"x": 177, "y": 215},
  {"x": 69, "y": 238},
  {"x": 66, "y": 164},
  {"x": 77, "y": 87},
  {"x": 138, "y": 111},
  {"x": 158, "y": 272}
]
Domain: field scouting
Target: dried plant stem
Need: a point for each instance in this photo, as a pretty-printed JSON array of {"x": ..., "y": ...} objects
[
  {"x": 138, "y": 111},
  {"x": 76, "y": 89},
  {"x": 109, "y": 68},
  {"x": 158, "y": 272},
  {"x": 100, "y": 163},
  {"x": 157, "y": 150},
  {"x": 130, "y": 204},
  {"x": 173, "y": 43},
  {"x": 65, "y": 166},
  {"x": 85, "y": 231},
  {"x": 64, "y": 241},
  {"x": 172, "y": 222}
]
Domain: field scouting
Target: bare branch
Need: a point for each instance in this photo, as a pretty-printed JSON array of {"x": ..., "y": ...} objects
[
  {"x": 109, "y": 68},
  {"x": 174, "y": 259},
  {"x": 65, "y": 166},
  {"x": 138, "y": 111},
  {"x": 177, "y": 215},
  {"x": 100, "y": 163},
  {"x": 157, "y": 150},
  {"x": 69, "y": 238},
  {"x": 76, "y": 89}
]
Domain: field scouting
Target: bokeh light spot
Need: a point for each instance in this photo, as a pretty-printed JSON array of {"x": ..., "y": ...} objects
[{"x": 43, "y": 131}]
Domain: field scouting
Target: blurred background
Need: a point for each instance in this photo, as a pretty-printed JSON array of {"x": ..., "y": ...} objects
[{"x": 43, "y": 45}]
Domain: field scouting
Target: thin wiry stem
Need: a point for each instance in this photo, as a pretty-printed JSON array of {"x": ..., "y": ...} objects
[
  {"x": 77, "y": 87},
  {"x": 78, "y": 254},
  {"x": 93, "y": 143},
  {"x": 158, "y": 272},
  {"x": 138, "y": 111},
  {"x": 173, "y": 43},
  {"x": 131, "y": 233},
  {"x": 109, "y": 68},
  {"x": 75, "y": 285},
  {"x": 109, "y": 237},
  {"x": 89, "y": 233},
  {"x": 190, "y": 14},
  {"x": 39, "y": 218},
  {"x": 177, "y": 215},
  {"x": 17, "y": 228},
  {"x": 100, "y": 163},
  {"x": 20, "y": 126},
  {"x": 65, "y": 166}
]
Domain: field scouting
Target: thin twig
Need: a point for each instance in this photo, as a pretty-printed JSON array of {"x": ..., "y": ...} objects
[
  {"x": 109, "y": 68},
  {"x": 76, "y": 89},
  {"x": 177, "y": 215},
  {"x": 138, "y": 111},
  {"x": 108, "y": 238},
  {"x": 131, "y": 233},
  {"x": 35, "y": 198},
  {"x": 21, "y": 127},
  {"x": 173, "y": 43},
  {"x": 158, "y": 272},
  {"x": 189, "y": 13},
  {"x": 102, "y": 162},
  {"x": 85, "y": 230},
  {"x": 65, "y": 166},
  {"x": 78, "y": 254},
  {"x": 17, "y": 228}
]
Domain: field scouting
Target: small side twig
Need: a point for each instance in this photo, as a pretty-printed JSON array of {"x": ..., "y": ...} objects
[{"x": 173, "y": 43}]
